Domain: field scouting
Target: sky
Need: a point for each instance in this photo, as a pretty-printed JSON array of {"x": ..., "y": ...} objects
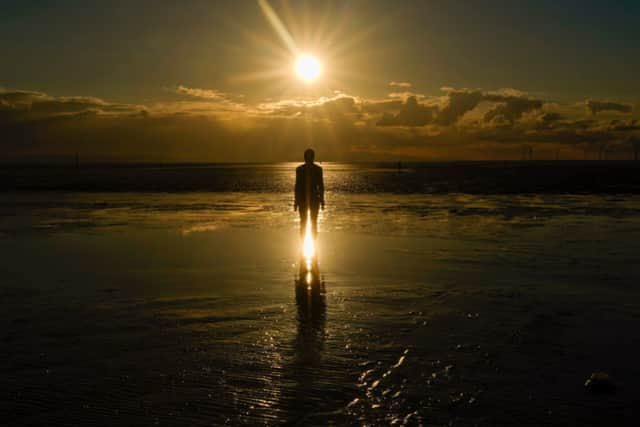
[{"x": 400, "y": 80}]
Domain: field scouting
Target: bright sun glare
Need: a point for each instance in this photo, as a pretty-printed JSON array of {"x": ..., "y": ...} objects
[{"x": 308, "y": 68}]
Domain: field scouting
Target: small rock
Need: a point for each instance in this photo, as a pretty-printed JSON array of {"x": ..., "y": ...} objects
[{"x": 600, "y": 382}]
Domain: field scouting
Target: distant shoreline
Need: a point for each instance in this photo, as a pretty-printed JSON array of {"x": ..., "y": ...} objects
[
  {"x": 65, "y": 163},
  {"x": 472, "y": 177}
]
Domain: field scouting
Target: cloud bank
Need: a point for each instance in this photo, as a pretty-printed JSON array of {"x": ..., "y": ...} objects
[
  {"x": 208, "y": 125},
  {"x": 596, "y": 107}
]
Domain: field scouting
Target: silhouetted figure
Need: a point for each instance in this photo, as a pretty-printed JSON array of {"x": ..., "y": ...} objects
[{"x": 309, "y": 192}]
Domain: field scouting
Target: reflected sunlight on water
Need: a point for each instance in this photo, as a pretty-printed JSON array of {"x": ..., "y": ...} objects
[
  {"x": 308, "y": 245},
  {"x": 308, "y": 252},
  {"x": 379, "y": 214}
]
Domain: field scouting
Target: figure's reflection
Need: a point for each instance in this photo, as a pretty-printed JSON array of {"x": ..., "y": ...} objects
[
  {"x": 306, "y": 370},
  {"x": 311, "y": 303},
  {"x": 307, "y": 367}
]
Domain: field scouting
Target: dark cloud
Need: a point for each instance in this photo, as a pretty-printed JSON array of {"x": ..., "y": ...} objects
[
  {"x": 596, "y": 107},
  {"x": 551, "y": 117},
  {"x": 24, "y": 105},
  {"x": 340, "y": 105},
  {"x": 411, "y": 114},
  {"x": 624, "y": 125},
  {"x": 511, "y": 109},
  {"x": 333, "y": 108},
  {"x": 546, "y": 121},
  {"x": 386, "y": 106},
  {"x": 459, "y": 103},
  {"x": 67, "y": 105},
  {"x": 19, "y": 98}
]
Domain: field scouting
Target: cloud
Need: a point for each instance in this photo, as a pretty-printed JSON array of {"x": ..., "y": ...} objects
[
  {"x": 411, "y": 114},
  {"x": 596, "y": 107},
  {"x": 459, "y": 102},
  {"x": 508, "y": 92},
  {"x": 400, "y": 84},
  {"x": 508, "y": 106},
  {"x": 208, "y": 100},
  {"x": 199, "y": 93},
  {"x": 381, "y": 106},
  {"x": 511, "y": 109},
  {"x": 209, "y": 125},
  {"x": 404, "y": 95},
  {"x": 29, "y": 105},
  {"x": 547, "y": 120},
  {"x": 19, "y": 98},
  {"x": 338, "y": 108},
  {"x": 624, "y": 125}
]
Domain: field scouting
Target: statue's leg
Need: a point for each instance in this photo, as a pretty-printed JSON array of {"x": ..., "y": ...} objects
[
  {"x": 303, "y": 220},
  {"x": 314, "y": 222}
]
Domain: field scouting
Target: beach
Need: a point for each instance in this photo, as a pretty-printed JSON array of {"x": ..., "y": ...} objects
[
  {"x": 185, "y": 307},
  {"x": 319, "y": 213}
]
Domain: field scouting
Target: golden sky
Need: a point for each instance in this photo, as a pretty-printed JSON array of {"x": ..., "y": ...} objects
[{"x": 360, "y": 80}]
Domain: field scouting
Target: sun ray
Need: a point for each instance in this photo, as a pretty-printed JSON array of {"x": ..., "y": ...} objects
[
  {"x": 277, "y": 25},
  {"x": 268, "y": 74},
  {"x": 290, "y": 20},
  {"x": 318, "y": 34}
]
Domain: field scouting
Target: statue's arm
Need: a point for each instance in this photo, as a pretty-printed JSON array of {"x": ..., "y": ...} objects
[
  {"x": 321, "y": 188},
  {"x": 296, "y": 191}
]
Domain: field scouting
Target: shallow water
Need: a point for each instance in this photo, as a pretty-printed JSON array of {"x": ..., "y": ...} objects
[{"x": 184, "y": 309}]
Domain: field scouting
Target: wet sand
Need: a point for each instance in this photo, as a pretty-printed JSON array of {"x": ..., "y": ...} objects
[{"x": 494, "y": 321}]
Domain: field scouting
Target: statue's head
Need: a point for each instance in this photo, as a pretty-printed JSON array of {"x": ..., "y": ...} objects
[{"x": 309, "y": 155}]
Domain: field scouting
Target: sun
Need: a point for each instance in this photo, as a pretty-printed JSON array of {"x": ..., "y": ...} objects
[{"x": 308, "y": 68}]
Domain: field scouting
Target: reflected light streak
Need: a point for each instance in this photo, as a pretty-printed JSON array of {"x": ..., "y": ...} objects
[
  {"x": 308, "y": 278},
  {"x": 308, "y": 252},
  {"x": 308, "y": 246}
]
